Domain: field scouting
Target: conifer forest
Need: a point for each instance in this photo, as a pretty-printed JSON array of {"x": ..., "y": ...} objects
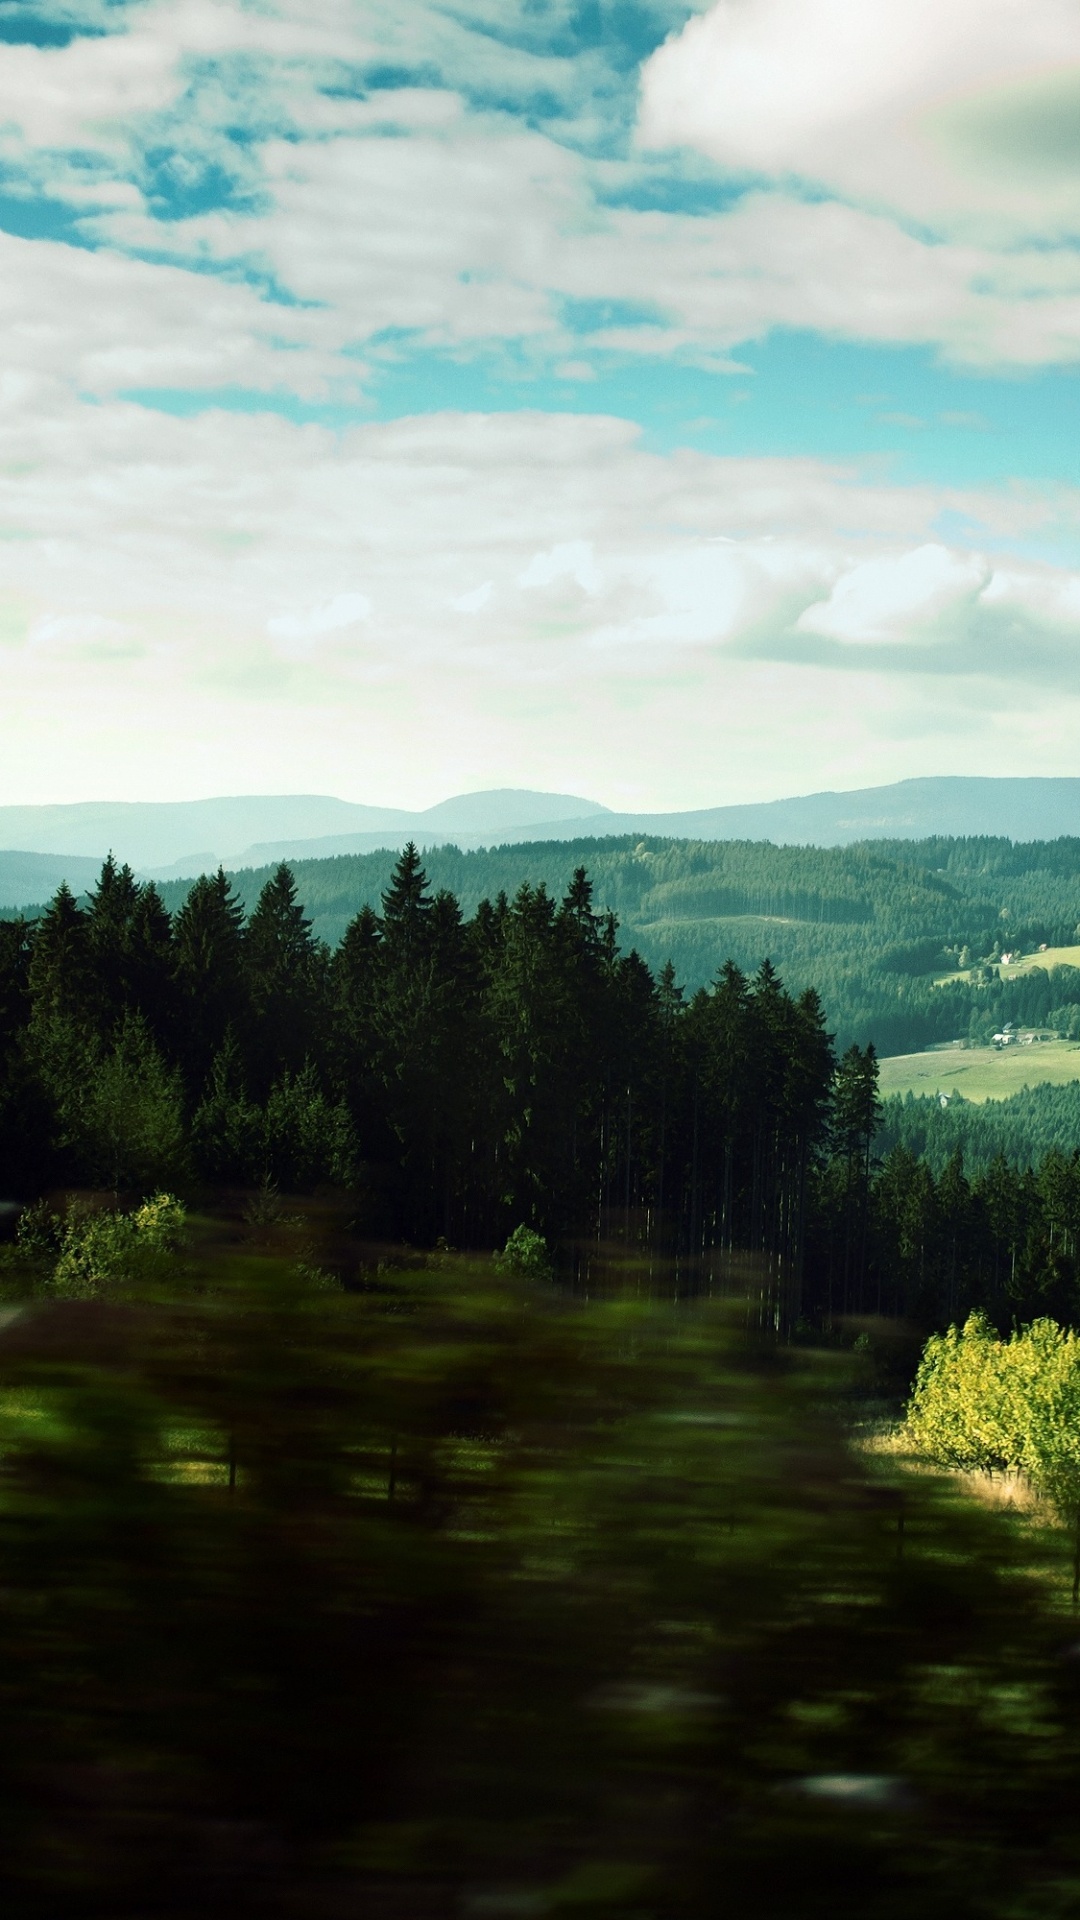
[{"x": 461, "y": 1076}]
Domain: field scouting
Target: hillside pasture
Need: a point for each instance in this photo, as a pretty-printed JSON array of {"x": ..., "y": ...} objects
[
  {"x": 1051, "y": 957},
  {"x": 982, "y": 1073},
  {"x": 1047, "y": 959}
]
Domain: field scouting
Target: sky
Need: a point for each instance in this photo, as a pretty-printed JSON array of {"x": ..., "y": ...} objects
[{"x": 675, "y": 404}]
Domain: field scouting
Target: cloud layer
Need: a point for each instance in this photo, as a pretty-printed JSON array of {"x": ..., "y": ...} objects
[
  {"x": 455, "y": 600},
  {"x": 450, "y": 181},
  {"x": 226, "y": 233}
]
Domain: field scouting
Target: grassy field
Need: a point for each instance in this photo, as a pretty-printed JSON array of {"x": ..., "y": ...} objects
[
  {"x": 982, "y": 1073},
  {"x": 1052, "y": 957}
]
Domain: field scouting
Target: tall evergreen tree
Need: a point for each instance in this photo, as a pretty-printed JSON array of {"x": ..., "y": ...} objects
[
  {"x": 16, "y": 946},
  {"x": 151, "y": 973},
  {"x": 208, "y": 960},
  {"x": 856, "y": 1117},
  {"x": 428, "y": 1038},
  {"x": 109, "y": 919},
  {"x": 284, "y": 968},
  {"x": 61, "y": 972},
  {"x": 406, "y": 906}
]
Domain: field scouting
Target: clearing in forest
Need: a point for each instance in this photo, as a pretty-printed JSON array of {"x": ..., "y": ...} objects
[
  {"x": 1047, "y": 959},
  {"x": 982, "y": 1073}
]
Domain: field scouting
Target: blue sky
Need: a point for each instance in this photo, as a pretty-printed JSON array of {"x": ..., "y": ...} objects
[{"x": 675, "y": 403}]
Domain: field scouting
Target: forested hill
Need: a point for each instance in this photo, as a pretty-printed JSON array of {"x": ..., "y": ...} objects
[{"x": 871, "y": 926}]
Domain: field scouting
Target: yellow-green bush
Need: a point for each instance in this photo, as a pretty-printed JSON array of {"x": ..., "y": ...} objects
[
  {"x": 81, "y": 1253},
  {"x": 983, "y": 1402}
]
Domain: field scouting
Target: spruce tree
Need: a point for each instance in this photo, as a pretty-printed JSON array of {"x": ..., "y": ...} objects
[
  {"x": 207, "y": 958},
  {"x": 283, "y": 968},
  {"x": 406, "y": 911},
  {"x": 61, "y": 972},
  {"x": 111, "y": 910},
  {"x": 151, "y": 971}
]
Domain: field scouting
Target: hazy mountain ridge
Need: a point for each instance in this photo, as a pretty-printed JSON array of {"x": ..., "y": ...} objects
[
  {"x": 174, "y": 840},
  {"x": 177, "y": 839},
  {"x": 27, "y": 877}
]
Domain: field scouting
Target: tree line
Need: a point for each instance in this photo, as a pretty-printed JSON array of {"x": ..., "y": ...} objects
[
  {"x": 937, "y": 1246},
  {"x": 461, "y": 1077},
  {"x": 1022, "y": 1128},
  {"x": 870, "y": 926},
  {"x": 465, "y": 1075}
]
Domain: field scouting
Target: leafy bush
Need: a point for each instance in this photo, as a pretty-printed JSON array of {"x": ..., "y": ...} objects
[
  {"x": 82, "y": 1253},
  {"x": 983, "y": 1402},
  {"x": 526, "y": 1255},
  {"x": 964, "y": 1409}
]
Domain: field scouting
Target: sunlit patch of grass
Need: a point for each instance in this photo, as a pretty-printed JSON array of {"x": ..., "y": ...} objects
[
  {"x": 193, "y": 1473},
  {"x": 27, "y": 1415},
  {"x": 21, "y": 1406}
]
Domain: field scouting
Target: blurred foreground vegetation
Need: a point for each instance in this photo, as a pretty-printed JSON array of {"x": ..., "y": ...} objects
[{"x": 333, "y": 1587}]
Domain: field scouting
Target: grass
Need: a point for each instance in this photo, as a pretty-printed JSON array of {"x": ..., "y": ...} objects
[
  {"x": 1051, "y": 957},
  {"x": 982, "y": 1073}
]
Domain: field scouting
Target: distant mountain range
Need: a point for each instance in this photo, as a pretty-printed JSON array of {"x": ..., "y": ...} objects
[
  {"x": 176, "y": 839},
  {"x": 183, "y": 835}
]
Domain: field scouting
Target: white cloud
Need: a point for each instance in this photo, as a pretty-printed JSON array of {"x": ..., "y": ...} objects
[
  {"x": 674, "y": 629},
  {"x": 882, "y": 598},
  {"x": 95, "y": 323},
  {"x": 178, "y": 598},
  {"x": 957, "y": 112},
  {"x": 83, "y": 93},
  {"x": 468, "y": 230},
  {"x": 408, "y": 218}
]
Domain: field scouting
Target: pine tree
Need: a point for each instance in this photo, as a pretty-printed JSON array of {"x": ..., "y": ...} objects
[
  {"x": 127, "y": 1128},
  {"x": 856, "y": 1117},
  {"x": 307, "y": 1139},
  {"x": 406, "y": 908},
  {"x": 356, "y": 962},
  {"x": 151, "y": 974},
  {"x": 61, "y": 974},
  {"x": 109, "y": 927},
  {"x": 284, "y": 969},
  {"x": 227, "y": 1131},
  {"x": 429, "y": 1027},
  {"x": 208, "y": 937}
]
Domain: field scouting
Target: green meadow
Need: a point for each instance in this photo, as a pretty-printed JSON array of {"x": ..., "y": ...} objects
[{"x": 982, "y": 1073}]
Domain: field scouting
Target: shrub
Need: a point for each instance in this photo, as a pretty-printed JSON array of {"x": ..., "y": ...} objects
[
  {"x": 983, "y": 1402},
  {"x": 525, "y": 1254},
  {"x": 96, "y": 1250}
]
